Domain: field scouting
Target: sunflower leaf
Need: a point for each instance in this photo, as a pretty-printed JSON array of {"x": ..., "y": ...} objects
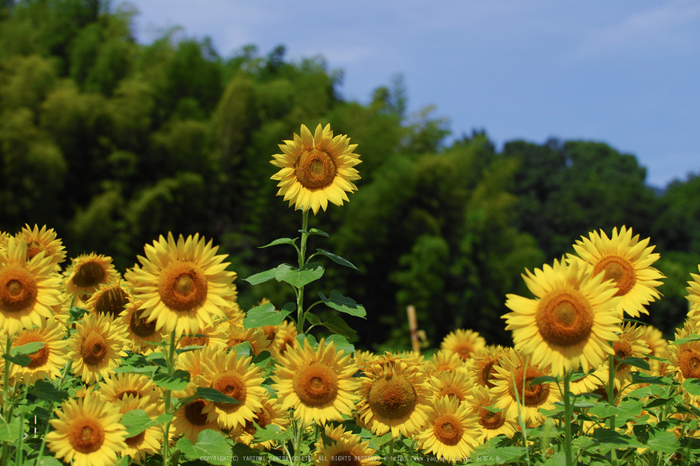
[
  {"x": 211, "y": 447},
  {"x": 310, "y": 340},
  {"x": 10, "y": 432},
  {"x": 663, "y": 442},
  {"x": 46, "y": 391},
  {"x": 638, "y": 377},
  {"x": 636, "y": 362},
  {"x": 341, "y": 343},
  {"x": 262, "y": 277},
  {"x": 137, "y": 420},
  {"x": 20, "y": 354},
  {"x": 316, "y": 231},
  {"x": 336, "y": 324},
  {"x": 148, "y": 370},
  {"x": 176, "y": 382},
  {"x": 215, "y": 395},
  {"x": 341, "y": 303},
  {"x": 242, "y": 349},
  {"x": 689, "y": 338},
  {"x": 261, "y": 316},
  {"x": 337, "y": 259},
  {"x": 272, "y": 432},
  {"x": 299, "y": 277},
  {"x": 692, "y": 386},
  {"x": 279, "y": 241}
]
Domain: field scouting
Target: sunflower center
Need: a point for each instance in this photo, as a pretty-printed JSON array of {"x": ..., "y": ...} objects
[
  {"x": 141, "y": 326},
  {"x": 262, "y": 418},
  {"x": 18, "y": 288},
  {"x": 86, "y": 435},
  {"x": 93, "y": 349},
  {"x": 33, "y": 249},
  {"x": 121, "y": 394},
  {"x": 316, "y": 384},
  {"x": 193, "y": 341},
  {"x": 486, "y": 373},
  {"x": 136, "y": 440},
  {"x": 345, "y": 458},
  {"x": 230, "y": 385},
  {"x": 689, "y": 363},
  {"x": 564, "y": 318},
  {"x": 448, "y": 429},
  {"x": 451, "y": 392},
  {"x": 112, "y": 302},
  {"x": 392, "y": 397},
  {"x": 533, "y": 394},
  {"x": 464, "y": 350},
  {"x": 490, "y": 420},
  {"x": 620, "y": 271},
  {"x": 182, "y": 286},
  {"x": 89, "y": 274},
  {"x": 38, "y": 359},
  {"x": 315, "y": 169},
  {"x": 193, "y": 413},
  {"x": 622, "y": 350}
]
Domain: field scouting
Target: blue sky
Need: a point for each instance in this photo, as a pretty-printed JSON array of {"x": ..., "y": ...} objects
[{"x": 623, "y": 72}]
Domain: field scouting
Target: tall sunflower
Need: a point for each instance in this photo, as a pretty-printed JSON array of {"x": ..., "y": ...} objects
[
  {"x": 87, "y": 272},
  {"x": 97, "y": 347},
  {"x": 87, "y": 432},
  {"x": 627, "y": 261},
  {"x": 28, "y": 289},
  {"x": 49, "y": 360},
  {"x": 452, "y": 431},
  {"x": 571, "y": 323},
  {"x": 43, "y": 240},
  {"x": 182, "y": 285},
  {"x": 316, "y": 169},
  {"x": 318, "y": 384}
]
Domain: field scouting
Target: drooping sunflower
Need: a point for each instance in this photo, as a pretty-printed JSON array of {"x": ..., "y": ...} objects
[
  {"x": 142, "y": 334},
  {"x": 395, "y": 397},
  {"x": 344, "y": 448},
  {"x": 43, "y": 240},
  {"x": 110, "y": 299},
  {"x": 271, "y": 413},
  {"x": 148, "y": 442},
  {"x": 237, "y": 377},
  {"x": 493, "y": 423},
  {"x": 481, "y": 365},
  {"x": 182, "y": 285},
  {"x": 318, "y": 384},
  {"x": 452, "y": 431},
  {"x": 48, "y": 361},
  {"x": 194, "y": 417},
  {"x": 28, "y": 289},
  {"x": 627, "y": 261},
  {"x": 87, "y": 272},
  {"x": 97, "y": 346},
  {"x": 571, "y": 323},
  {"x": 316, "y": 169},
  {"x": 87, "y": 432},
  {"x": 455, "y": 384},
  {"x": 463, "y": 342}
]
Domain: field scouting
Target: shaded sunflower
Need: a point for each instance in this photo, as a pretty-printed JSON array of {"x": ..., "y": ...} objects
[
  {"x": 97, "y": 347},
  {"x": 87, "y": 272},
  {"x": 571, "y": 323},
  {"x": 455, "y": 384},
  {"x": 630, "y": 344},
  {"x": 236, "y": 377},
  {"x": 627, "y": 261},
  {"x": 318, "y": 384},
  {"x": 481, "y": 365},
  {"x": 513, "y": 382},
  {"x": 284, "y": 339},
  {"x": 493, "y": 423},
  {"x": 43, "y": 240},
  {"x": 345, "y": 448},
  {"x": 142, "y": 334},
  {"x": 49, "y": 360},
  {"x": 271, "y": 413},
  {"x": 444, "y": 360},
  {"x": 395, "y": 396},
  {"x": 111, "y": 299},
  {"x": 148, "y": 442},
  {"x": 463, "y": 342},
  {"x": 684, "y": 358},
  {"x": 194, "y": 417},
  {"x": 87, "y": 432},
  {"x": 207, "y": 336},
  {"x": 182, "y": 285},
  {"x": 316, "y": 169},
  {"x": 116, "y": 387},
  {"x": 254, "y": 336},
  {"x": 451, "y": 432},
  {"x": 28, "y": 289}
]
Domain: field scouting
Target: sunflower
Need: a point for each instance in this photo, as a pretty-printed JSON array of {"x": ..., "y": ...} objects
[
  {"x": 182, "y": 284},
  {"x": 271, "y": 413},
  {"x": 658, "y": 346},
  {"x": 28, "y": 289},
  {"x": 216, "y": 337},
  {"x": 110, "y": 299},
  {"x": 236, "y": 377},
  {"x": 149, "y": 441},
  {"x": 345, "y": 448},
  {"x": 254, "y": 336},
  {"x": 444, "y": 360},
  {"x": 452, "y": 431},
  {"x": 43, "y": 240},
  {"x": 694, "y": 295},
  {"x": 627, "y": 261},
  {"x": 363, "y": 359},
  {"x": 97, "y": 347},
  {"x": 455, "y": 384},
  {"x": 194, "y": 417},
  {"x": 318, "y": 384},
  {"x": 395, "y": 396},
  {"x": 87, "y": 272},
  {"x": 285, "y": 337},
  {"x": 684, "y": 358},
  {"x": 481, "y": 365},
  {"x": 493, "y": 423},
  {"x": 142, "y": 334},
  {"x": 116, "y": 387},
  {"x": 463, "y": 342},
  {"x": 630, "y": 344},
  {"x": 571, "y": 323},
  {"x": 87, "y": 432},
  {"x": 49, "y": 360},
  {"x": 514, "y": 391},
  {"x": 316, "y": 169}
]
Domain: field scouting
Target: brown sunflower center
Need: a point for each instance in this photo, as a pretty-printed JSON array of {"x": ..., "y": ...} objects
[
  {"x": 533, "y": 394},
  {"x": 18, "y": 288},
  {"x": 182, "y": 286},
  {"x": 490, "y": 420},
  {"x": 193, "y": 341},
  {"x": 270, "y": 332},
  {"x": 448, "y": 429},
  {"x": 39, "y": 358},
  {"x": 315, "y": 169},
  {"x": 464, "y": 350},
  {"x": 262, "y": 418},
  {"x": 122, "y": 393},
  {"x": 136, "y": 440},
  {"x": 452, "y": 392},
  {"x": 564, "y": 317},
  {"x": 623, "y": 349},
  {"x": 86, "y": 435},
  {"x": 689, "y": 363},
  {"x": 287, "y": 342},
  {"x": 34, "y": 248},
  {"x": 140, "y": 325},
  {"x": 194, "y": 414},
  {"x": 345, "y": 458},
  {"x": 89, "y": 274},
  {"x": 232, "y": 385},
  {"x": 392, "y": 397},
  {"x": 316, "y": 384},
  {"x": 620, "y": 271},
  {"x": 112, "y": 301},
  {"x": 486, "y": 373},
  {"x": 93, "y": 349}
]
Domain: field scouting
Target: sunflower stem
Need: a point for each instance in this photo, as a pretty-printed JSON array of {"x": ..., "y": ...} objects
[
  {"x": 568, "y": 412},
  {"x": 302, "y": 262},
  {"x": 5, "y": 399},
  {"x": 391, "y": 452},
  {"x": 611, "y": 400},
  {"x": 166, "y": 428}
]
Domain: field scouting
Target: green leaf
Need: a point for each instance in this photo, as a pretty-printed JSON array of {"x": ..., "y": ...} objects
[
  {"x": 261, "y": 277},
  {"x": 136, "y": 421},
  {"x": 264, "y": 315},
  {"x": 272, "y": 432},
  {"x": 692, "y": 386},
  {"x": 148, "y": 370},
  {"x": 337, "y": 259},
  {"x": 316, "y": 231},
  {"x": 46, "y": 391},
  {"x": 241, "y": 349},
  {"x": 215, "y": 395},
  {"x": 689, "y": 338},
  {"x": 311, "y": 317},
  {"x": 636, "y": 362},
  {"x": 336, "y": 324},
  {"x": 20, "y": 354},
  {"x": 663, "y": 442},
  {"x": 308, "y": 339},
  {"x": 341, "y": 343},
  {"x": 638, "y": 377},
  {"x": 279, "y": 241},
  {"x": 299, "y": 277},
  {"x": 10, "y": 432},
  {"x": 629, "y": 409},
  {"x": 613, "y": 439},
  {"x": 502, "y": 455},
  {"x": 543, "y": 379},
  {"x": 46, "y": 461},
  {"x": 343, "y": 304},
  {"x": 211, "y": 447},
  {"x": 176, "y": 382}
]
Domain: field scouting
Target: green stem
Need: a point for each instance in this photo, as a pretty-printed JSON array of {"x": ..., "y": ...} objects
[
  {"x": 611, "y": 400},
  {"x": 568, "y": 413},
  {"x": 171, "y": 369},
  {"x": 66, "y": 369},
  {"x": 391, "y": 452},
  {"x": 297, "y": 443},
  {"x": 6, "y": 412},
  {"x": 302, "y": 262}
]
